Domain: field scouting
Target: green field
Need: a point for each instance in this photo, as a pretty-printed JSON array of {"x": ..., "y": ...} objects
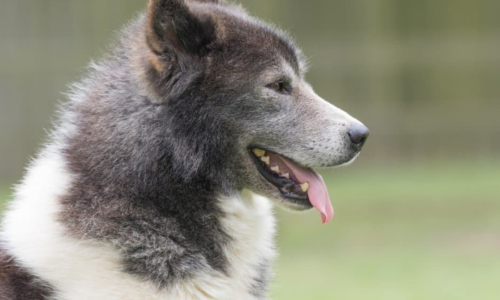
[
  {"x": 415, "y": 232},
  {"x": 418, "y": 232}
]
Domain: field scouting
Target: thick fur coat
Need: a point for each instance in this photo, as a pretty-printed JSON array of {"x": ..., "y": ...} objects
[{"x": 141, "y": 191}]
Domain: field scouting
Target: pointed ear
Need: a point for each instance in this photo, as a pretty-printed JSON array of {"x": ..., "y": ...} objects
[{"x": 171, "y": 26}]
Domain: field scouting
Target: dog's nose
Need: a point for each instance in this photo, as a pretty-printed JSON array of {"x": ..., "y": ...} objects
[{"x": 358, "y": 134}]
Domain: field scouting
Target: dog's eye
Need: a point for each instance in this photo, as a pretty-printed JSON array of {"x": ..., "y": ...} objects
[{"x": 281, "y": 87}]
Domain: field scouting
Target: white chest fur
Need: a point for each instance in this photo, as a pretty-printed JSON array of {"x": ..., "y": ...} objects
[{"x": 82, "y": 270}]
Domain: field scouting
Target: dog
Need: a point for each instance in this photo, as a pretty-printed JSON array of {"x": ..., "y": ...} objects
[{"x": 158, "y": 179}]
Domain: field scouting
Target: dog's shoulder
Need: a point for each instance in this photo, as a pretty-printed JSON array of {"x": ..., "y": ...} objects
[{"x": 16, "y": 283}]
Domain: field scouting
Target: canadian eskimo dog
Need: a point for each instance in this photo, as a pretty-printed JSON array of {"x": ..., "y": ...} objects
[{"x": 139, "y": 193}]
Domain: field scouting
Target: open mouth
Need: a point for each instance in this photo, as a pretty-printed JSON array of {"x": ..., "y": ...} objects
[{"x": 299, "y": 185}]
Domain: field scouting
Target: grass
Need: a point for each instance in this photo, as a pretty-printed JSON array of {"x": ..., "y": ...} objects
[
  {"x": 417, "y": 232},
  {"x": 414, "y": 232}
]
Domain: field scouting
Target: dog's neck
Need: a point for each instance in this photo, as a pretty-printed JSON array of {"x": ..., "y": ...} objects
[
  {"x": 131, "y": 192},
  {"x": 130, "y": 251}
]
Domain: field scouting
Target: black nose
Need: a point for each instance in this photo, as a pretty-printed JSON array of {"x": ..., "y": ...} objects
[{"x": 359, "y": 134}]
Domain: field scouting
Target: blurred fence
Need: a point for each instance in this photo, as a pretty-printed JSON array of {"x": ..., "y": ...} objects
[{"x": 424, "y": 75}]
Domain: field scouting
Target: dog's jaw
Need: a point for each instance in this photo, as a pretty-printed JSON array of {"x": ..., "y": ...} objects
[{"x": 299, "y": 186}]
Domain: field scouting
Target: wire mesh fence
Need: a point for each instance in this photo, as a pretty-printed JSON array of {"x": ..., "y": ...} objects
[{"x": 423, "y": 75}]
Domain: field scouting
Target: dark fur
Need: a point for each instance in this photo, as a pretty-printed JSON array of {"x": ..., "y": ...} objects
[
  {"x": 163, "y": 125},
  {"x": 151, "y": 165},
  {"x": 16, "y": 283}
]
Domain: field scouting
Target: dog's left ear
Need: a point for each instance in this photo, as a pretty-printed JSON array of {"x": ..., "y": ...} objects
[{"x": 172, "y": 27}]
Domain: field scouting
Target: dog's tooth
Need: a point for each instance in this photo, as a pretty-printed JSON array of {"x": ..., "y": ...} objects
[
  {"x": 305, "y": 186},
  {"x": 286, "y": 175},
  {"x": 275, "y": 169},
  {"x": 258, "y": 152},
  {"x": 266, "y": 160}
]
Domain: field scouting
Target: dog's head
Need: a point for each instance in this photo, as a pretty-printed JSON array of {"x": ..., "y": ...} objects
[{"x": 236, "y": 87}]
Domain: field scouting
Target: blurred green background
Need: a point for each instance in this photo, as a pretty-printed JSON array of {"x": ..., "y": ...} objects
[{"x": 418, "y": 215}]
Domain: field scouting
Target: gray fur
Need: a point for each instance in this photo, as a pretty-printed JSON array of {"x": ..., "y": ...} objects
[
  {"x": 163, "y": 128},
  {"x": 17, "y": 283},
  {"x": 261, "y": 284},
  {"x": 149, "y": 170}
]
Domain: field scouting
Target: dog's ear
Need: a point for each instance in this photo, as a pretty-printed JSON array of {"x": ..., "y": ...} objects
[{"x": 172, "y": 26}]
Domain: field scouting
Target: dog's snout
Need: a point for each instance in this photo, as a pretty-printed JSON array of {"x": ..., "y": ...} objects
[{"x": 358, "y": 134}]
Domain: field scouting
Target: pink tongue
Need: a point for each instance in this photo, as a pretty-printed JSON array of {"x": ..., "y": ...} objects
[{"x": 318, "y": 193}]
